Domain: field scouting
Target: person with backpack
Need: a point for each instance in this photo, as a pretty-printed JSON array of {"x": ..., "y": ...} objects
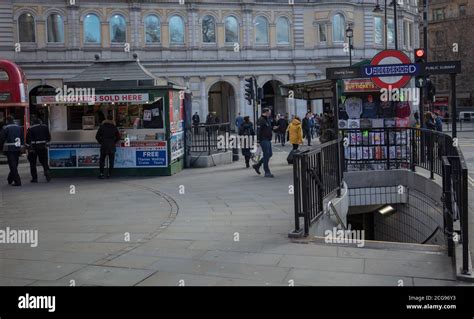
[
  {"x": 295, "y": 133},
  {"x": 246, "y": 129}
]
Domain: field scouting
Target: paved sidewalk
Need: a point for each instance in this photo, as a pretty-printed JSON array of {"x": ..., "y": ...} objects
[{"x": 215, "y": 226}]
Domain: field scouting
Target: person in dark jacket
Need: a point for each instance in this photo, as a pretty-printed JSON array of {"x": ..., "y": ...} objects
[
  {"x": 108, "y": 135},
  {"x": 282, "y": 125},
  {"x": 196, "y": 120},
  {"x": 264, "y": 138},
  {"x": 246, "y": 129},
  {"x": 307, "y": 127},
  {"x": 11, "y": 139},
  {"x": 37, "y": 138},
  {"x": 429, "y": 121}
]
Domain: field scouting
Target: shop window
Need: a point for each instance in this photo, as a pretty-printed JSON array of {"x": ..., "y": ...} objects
[
  {"x": 261, "y": 30},
  {"x": 118, "y": 28},
  {"x": 283, "y": 31},
  {"x": 176, "y": 26},
  {"x": 152, "y": 29},
  {"x": 91, "y": 29},
  {"x": 208, "y": 29},
  {"x": 338, "y": 28},
  {"x": 231, "y": 30},
  {"x": 26, "y": 28},
  {"x": 55, "y": 27}
]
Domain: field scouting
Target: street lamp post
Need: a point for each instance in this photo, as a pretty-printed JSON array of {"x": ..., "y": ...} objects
[{"x": 349, "y": 35}]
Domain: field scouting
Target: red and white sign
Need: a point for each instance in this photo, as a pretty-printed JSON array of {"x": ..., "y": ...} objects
[
  {"x": 391, "y": 57},
  {"x": 98, "y": 98}
]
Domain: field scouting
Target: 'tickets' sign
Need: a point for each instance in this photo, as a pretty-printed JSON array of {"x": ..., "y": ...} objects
[{"x": 359, "y": 85}]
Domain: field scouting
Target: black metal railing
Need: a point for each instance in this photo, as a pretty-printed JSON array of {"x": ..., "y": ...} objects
[
  {"x": 408, "y": 148},
  {"x": 317, "y": 174},
  {"x": 205, "y": 138}
]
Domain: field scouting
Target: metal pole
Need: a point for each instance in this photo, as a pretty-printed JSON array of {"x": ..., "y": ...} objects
[
  {"x": 395, "y": 23},
  {"x": 453, "y": 105},
  {"x": 386, "y": 41},
  {"x": 425, "y": 43},
  {"x": 350, "y": 51},
  {"x": 464, "y": 222}
]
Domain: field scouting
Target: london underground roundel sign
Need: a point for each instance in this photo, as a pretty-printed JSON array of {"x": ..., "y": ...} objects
[{"x": 391, "y": 57}]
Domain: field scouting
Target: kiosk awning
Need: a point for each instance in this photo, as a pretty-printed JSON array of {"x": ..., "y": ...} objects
[
  {"x": 309, "y": 90},
  {"x": 114, "y": 74}
]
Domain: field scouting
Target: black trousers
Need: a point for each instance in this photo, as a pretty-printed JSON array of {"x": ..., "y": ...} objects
[
  {"x": 42, "y": 155},
  {"x": 13, "y": 158},
  {"x": 103, "y": 155}
]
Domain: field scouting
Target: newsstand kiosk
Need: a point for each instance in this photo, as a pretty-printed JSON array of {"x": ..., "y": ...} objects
[
  {"x": 149, "y": 117},
  {"x": 13, "y": 94}
]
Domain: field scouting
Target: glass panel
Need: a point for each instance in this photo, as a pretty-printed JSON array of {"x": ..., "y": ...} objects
[
  {"x": 176, "y": 30},
  {"x": 152, "y": 29},
  {"x": 261, "y": 30},
  {"x": 283, "y": 31},
  {"x": 26, "y": 28},
  {"x": 91, "y": 29},
  {"x": 55, "y": 27},
  {"x": 322, "y": 33},
  {"x": 231, "y": 30},
  {"x": 378, "y": 25},
  {"x": 117, "y": 29},
  {"x": 391, "y": 31},
  {"x": 338, "y": 26},
  {"x": 208, "y": 30}
]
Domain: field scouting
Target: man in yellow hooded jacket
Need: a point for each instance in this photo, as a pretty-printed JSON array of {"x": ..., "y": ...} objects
[{"x": 295, "y": 131}]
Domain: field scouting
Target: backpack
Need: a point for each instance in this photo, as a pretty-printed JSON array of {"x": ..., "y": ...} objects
[{"x": 290, "y": 157}]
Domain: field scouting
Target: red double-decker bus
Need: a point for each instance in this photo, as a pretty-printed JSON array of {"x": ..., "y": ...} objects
[{"x": 13, "y": 94}]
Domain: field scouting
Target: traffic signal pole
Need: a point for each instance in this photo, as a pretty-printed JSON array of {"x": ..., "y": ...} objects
[{"x": 425, "y": 46}]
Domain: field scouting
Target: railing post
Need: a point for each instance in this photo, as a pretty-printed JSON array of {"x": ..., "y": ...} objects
[
  {"x": 387, "y": 141},
  {"x": 431, "y": 154},
  {"x": 464, "y": 221},
  {"x": 305, "y": 195},
  {"x": 297, "y": 191},
  {"x": 413, "y": 148},
  {"x": 209, "y": 130},
  {"x": 448, "y": 205}
]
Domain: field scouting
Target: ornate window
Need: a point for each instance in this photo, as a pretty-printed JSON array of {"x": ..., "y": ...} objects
[
  {"x": 261, "y": 30},
  {"x": 55, "y": 28},
  {"x": 26, "y": 28},
  {"x": 152, "y": 29},
  {"x": 338, "y": 28},
  {"x": 118, "y": 29},
  {"x": 231, "y": 30},
  {"x": 283, "y": 31},
  {"x": 91, "y": 29},
  {"x": 208, "y": 29},
  {"x": 176, "y": 26}
]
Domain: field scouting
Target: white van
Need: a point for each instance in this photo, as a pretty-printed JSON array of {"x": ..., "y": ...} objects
[{"x": 466, "y": 116}]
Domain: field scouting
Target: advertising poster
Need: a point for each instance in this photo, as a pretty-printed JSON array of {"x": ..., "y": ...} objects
[
  {"x": 177, "y": 145},
  {"x": 176, "y": 112},
  {"x": 138, "y": 154}
]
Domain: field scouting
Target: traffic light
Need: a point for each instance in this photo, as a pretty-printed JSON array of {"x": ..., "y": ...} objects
[
  {"x": 249, "y": 90},
  {"x": 420, "y": 56}
]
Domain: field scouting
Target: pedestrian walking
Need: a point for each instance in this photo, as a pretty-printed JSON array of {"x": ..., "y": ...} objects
[
  {"x": 108, "y": 135},
  {"x": 238, "y": 122},
  {"x": 295, "y": 132},
  {"x": 429, "y": 121},
  {"x": 417, "y": 118},
  {"x": 246, "y": 129},
  {"x": 307, "y": 127},
  {"x": 282, "y": 125},
  {"x": 11, "y": 140},
  {"x": 196, "y": 120},
  {"x": 438, "y": 122},
  {"x": 264, "y": 138},
  {"x": 37, "y": 139}
]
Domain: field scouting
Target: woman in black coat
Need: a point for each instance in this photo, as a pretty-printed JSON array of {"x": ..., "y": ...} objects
[{"x": 246, "y": 129}]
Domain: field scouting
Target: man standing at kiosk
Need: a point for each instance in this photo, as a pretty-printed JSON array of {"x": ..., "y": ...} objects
[
  {"x": 11, "y": 140},
  {"x": 37, "y": 138},
  {"x": 108, "y": 135}
]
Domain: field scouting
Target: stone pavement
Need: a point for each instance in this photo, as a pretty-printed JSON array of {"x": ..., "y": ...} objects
[{"x": 214, "y": 226}]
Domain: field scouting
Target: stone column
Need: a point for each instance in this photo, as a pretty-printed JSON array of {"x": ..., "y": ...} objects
[{"x": 204, "y": 101}]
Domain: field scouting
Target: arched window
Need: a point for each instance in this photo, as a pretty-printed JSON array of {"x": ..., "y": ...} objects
[
  {"x": 91, "y": 29},
  {"x": 26, "y": 28},
  {"x": 283, "y": 31},
  {"x": 338, "y": 28},
  {"x": 55, "y": 28},
  {"x": 118, "y": 29},
  {"x": 231, "y": 30},
  {"x": 176, "y": 26},
  {"x": 261, "y": 30},
  {"x": 208, "y": 29},
  {"x": 152, "y": 29}
]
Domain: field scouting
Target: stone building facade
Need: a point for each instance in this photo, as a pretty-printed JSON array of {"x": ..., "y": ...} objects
[{"x": 208, "y": 46}]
